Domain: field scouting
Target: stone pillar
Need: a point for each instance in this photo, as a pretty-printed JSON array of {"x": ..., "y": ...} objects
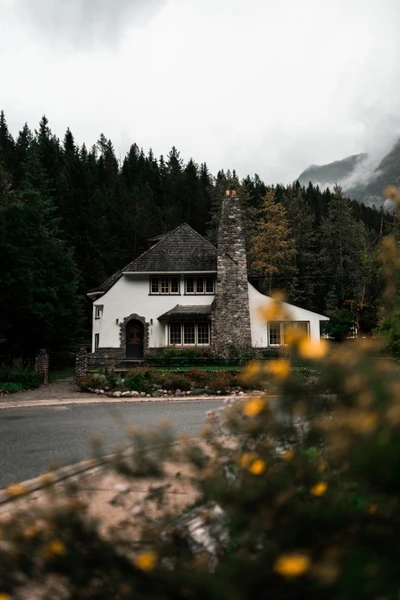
[
  {"x": 42, "y": 365},
  {"x": 230, "y": 324},
  {"x": 81, "y": 364}
]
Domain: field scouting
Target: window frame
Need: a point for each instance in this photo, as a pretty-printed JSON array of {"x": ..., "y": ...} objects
[
  {"x": 96, "y": 341},
  {"x": 203, "y": 279},
  {"x": 182, "y": 325},
  {"x": 283, "y": 326},
  {"x": 164, "y": 282},
  {"x": 98, "y": 311}
]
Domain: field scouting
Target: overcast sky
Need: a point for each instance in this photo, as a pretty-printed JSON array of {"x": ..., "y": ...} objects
[{"x": 262, "y": 86}]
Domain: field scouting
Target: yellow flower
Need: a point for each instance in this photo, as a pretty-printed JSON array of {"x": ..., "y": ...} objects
[
  {"x": 313, "y": 348},
  {"x": 319, "y": 489},
  {"x": 4, "y": 596},
  {"x": 54, "y": 548},
  {"x": 257, "y": 467},
  {"x": 146, "y": 561},
  {"x": 292, "y": 565},
  {"x": 17, "y": 490},
  {"x": 280, "y": 368},
  {"x": 294, "y": 336},
  {"x": 253, "y": 406},
  {"x": 288, "y": 455},
  {"x": 372, "y": 509},
  {"x": 247, "y": 458}
]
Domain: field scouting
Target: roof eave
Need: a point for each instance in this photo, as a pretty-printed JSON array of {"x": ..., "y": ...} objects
[{"x": 167, "y": 272}]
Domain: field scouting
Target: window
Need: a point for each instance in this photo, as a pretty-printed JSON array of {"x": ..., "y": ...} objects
[
  {"x": 174, "y": 285},
  {"x": 277, "y": 331},
  {"x": 209, "y": 285},
  {"x": 189, "y": 334},
  {"x": 97, "y": 312},
  {"x": 190, "y": 285},
  {"x": 175, "y": 333},
  {"x": 275, "y": 334},
  {"x": 164, "y": 285},
  {"x": 199, "y": 285},
  {"x": 203, "y": 333},
  {"x": 96, "y": 340}
]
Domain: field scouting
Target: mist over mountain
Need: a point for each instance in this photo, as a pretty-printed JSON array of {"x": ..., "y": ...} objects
[{"x": 361, "y": 176}]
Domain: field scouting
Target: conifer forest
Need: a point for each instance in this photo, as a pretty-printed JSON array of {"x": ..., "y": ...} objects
[{"x": 70, "y": 216}]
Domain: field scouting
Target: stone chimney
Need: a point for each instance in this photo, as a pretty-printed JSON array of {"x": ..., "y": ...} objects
[{"x": 230, "y": 323}]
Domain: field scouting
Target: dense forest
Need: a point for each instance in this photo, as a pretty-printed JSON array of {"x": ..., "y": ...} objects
[{"x": 70, "y": 216}]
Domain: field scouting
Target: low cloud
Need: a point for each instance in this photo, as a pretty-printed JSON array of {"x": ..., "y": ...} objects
[{"x": 86, "y": 23}]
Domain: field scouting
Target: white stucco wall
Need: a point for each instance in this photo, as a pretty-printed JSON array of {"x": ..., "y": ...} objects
[
  {"x": 259, "y": 328},
  {"x": 131, "y": 295}
]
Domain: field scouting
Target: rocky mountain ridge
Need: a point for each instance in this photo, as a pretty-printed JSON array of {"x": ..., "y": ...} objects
[{"x": 359, "y": 175}]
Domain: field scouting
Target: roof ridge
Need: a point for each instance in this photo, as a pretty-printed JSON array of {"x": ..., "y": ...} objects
[{"x": 166, "y": 236}]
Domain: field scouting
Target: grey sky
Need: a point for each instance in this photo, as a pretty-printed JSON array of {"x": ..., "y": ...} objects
[{"x": 266, "y": 86}]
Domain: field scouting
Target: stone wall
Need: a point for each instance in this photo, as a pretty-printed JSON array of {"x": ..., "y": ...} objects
[
  {"x": 81, "y": 364},
  {"x": 230, "y": 325},
  {"x": 42, "y": 365}
]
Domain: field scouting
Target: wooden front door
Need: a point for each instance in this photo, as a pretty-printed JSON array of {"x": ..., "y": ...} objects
[{"x": 134, "y": 339}]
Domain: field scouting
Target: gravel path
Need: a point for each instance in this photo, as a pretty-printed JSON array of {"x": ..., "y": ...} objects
[{"x": 58, "y": 390}]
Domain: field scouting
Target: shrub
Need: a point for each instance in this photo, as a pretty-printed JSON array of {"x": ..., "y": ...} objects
[
  {"x": 176, "y": 381},
  {"x": 139, "y": 381},
  {"x": 10, "y": 388},
  {"x": 222, "y": 380},
  {"x": 26, "y": 378}
]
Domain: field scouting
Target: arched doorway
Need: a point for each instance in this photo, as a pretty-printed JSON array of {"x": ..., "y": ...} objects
[{"x": 134, "y": 339}]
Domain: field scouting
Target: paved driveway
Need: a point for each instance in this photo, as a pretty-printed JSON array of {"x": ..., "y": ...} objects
[{"x": 31, "y": 438}]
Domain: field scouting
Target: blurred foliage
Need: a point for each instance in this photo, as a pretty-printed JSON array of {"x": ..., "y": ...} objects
[{"x": 297, "y": 498}]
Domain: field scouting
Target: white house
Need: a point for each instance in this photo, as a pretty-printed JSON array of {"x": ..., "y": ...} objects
[{"x": 185, "y": 292}]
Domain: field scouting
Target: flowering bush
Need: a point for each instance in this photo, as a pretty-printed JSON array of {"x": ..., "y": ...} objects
[{"x": 296, "y": 498}]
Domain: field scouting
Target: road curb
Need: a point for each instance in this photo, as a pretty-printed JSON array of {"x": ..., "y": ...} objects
[{"x": 78, "y": 401}]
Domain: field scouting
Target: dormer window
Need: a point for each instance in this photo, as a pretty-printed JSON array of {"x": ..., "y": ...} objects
[{"x": 164, "y": 285}]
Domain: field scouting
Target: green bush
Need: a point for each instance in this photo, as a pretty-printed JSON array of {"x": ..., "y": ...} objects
[
  {"x": 10, "y": 388},
  {"x": 139, "y": 380},
  {"x": 17, "y": 374}
]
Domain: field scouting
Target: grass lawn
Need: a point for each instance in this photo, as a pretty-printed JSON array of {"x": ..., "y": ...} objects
[
  {"x": 200, "y": 368},
  {"x": 61, "y": 374}
]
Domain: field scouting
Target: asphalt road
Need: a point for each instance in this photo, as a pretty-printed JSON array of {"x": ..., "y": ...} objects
[{"x": 33, "y": 438}]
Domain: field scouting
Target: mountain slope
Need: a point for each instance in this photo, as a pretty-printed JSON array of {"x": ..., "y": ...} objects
[
  {"x": 360, "y": 177},
  {"x": 328, "y": 175}
]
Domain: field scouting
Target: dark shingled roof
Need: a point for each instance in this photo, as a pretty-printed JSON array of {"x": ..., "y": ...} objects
[
  {"x": 181, "y": 250},
  {"x": 201, "y": 312},
  {"x": 107, "y": 284}
]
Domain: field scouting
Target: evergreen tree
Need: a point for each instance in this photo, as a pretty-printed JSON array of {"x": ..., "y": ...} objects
[{"x": 39, "y": 304}]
